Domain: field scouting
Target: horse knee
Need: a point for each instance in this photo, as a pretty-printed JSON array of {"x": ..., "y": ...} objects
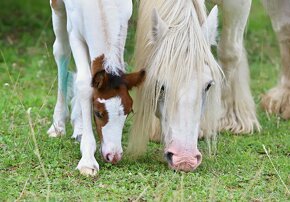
[
  {"x": 229, "y": 54},
  {"x": 61, "y": 48},
  {"x": 57, "y": 49},
  {"x": 83, "y": 88}
]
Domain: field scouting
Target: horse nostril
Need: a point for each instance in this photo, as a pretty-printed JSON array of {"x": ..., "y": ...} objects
[
  {"x": 168, "y": 156},
  {"x": 108, "y": 157},
  {"x": 198, "y": 158}
]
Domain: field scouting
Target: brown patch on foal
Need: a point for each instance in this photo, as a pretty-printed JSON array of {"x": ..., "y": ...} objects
[{"x": 107, "y": 86}]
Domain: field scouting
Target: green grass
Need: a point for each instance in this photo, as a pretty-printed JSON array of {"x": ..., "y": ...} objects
[{"x": 241, "y": 170}]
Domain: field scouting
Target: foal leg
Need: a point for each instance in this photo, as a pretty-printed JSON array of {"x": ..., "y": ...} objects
[
  {"x": 88, "y": 164},
  {"x": 239, "y": 115},
  {"x": 277, "y": 100},
  {"x": 76, "y": 118},
  {"x": 76, "y": 121},
  {"x": 76, "y": 113},
  {"x": 62, "y": 53}
]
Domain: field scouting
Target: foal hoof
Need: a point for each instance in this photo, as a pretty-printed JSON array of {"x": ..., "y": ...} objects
[
  {"x": 88, "y": 172},
  {"x": 77, "y": 134},
  {"x": 78, "y": 137},
  {"x": 56, "y": 131},
  {"x": 88, "y": 166}
]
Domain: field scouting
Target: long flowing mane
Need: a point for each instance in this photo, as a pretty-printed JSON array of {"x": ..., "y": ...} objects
[{"x": 172, "y": 61}]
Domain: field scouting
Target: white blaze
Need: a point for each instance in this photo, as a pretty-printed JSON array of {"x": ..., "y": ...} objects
[{"x": 112, "y": 131}]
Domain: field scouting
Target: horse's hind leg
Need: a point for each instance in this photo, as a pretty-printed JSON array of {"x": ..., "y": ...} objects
[
  {"x": 76, "y": 119},
  {"x": 62, "y": 53},
  {"x": 277, "y": 100},
  {"x": 239, "y": 115}
]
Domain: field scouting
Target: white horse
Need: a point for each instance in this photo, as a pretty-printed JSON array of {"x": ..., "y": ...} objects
[
  {"x": 95, "y": 32},
  {"x": 172, "y": 49}
]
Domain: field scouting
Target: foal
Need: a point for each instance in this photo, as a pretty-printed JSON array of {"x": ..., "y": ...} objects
[{"x": 95, "y": 32}]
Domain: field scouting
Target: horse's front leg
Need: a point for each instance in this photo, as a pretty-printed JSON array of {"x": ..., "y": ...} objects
[
  {"x": 88, "y": 164},
  {"x": 277, "y": 100},
  {"x": 239, "y": 115}
]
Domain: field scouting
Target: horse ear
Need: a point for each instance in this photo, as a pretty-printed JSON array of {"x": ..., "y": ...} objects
[
  {"x": 99, "y": 79},
  {"x": 210, "y": 26},
  {"x": 98, "y": 73},
  {"x": 159, "y": 27},
  {"x": 135, "y": 79}
]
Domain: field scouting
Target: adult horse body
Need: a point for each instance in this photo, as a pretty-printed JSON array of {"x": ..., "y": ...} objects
[
  {"x": 95, "y": 32},
  {"x": 167, "y": 91}
]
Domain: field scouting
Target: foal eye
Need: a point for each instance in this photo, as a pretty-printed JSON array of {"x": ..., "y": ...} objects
[
  {"x": 98, "y": 114},
  {"x": 210, "y": 84}
]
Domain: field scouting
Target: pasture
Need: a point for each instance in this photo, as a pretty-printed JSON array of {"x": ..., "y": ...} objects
[{"x": 35, "y": 167}]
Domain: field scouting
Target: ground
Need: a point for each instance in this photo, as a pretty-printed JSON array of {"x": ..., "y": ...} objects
[{"x": 44, "y": 168}]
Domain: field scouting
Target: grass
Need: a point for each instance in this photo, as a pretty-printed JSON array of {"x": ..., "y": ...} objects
[{"x": 241, "y": 170}]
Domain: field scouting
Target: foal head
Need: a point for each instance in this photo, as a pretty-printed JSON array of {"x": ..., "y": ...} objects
[{"x": 111, "y": 105}]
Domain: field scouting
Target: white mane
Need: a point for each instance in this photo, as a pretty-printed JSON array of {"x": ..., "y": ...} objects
[{"x": 172, "y": 61}]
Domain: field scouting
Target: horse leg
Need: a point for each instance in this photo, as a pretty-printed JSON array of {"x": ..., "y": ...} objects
[
  {"x": 62, "y": 53},
  {"x": 88, "y": 164},
  {"x": 76, "y": 118},
  {"x": 277, "y": 100},
  {"x": 239, "y": 115}
]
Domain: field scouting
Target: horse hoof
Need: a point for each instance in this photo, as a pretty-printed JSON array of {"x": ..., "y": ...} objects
[
  {"x": 77, "y": 137},
  {"x": 88, "y": 166},
  {"x": 277, "y": 101},
  {"x": 55, "y": 131},
  {"x": 88, "y": 171}
]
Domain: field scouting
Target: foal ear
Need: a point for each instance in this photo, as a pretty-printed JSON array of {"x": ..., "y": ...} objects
[
  {"x": 98, "y": 73},
  {"x": 159, "y": 27},
  {"x": 210, "y": 26},
  {"x": 99, "y": 79},
  {"x": 135, "y": 79}
]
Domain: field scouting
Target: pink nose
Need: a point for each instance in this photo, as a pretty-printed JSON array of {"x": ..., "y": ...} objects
[
  {"x": 112, "y": 158},
  {"x": 183, "y": 161}
]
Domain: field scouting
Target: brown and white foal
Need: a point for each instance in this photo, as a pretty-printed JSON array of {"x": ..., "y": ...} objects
[
  {"x": 95, "y": 32},
  {"x": 112, "y": 104}
]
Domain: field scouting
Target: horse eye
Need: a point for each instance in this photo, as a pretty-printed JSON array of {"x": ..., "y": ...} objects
[
  {"x": 99, "y": 114},
  {"x": 210, "y": 84}
]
